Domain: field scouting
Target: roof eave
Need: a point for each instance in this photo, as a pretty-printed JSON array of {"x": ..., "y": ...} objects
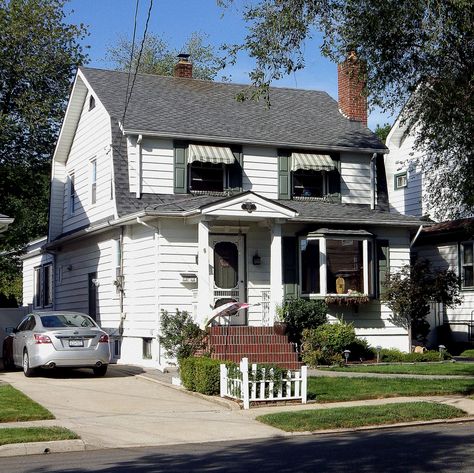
[{"x": 279, "y": 144}]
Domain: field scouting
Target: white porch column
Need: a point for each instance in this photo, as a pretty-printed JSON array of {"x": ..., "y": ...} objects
[
  {"x": 365, "y": 255},
  {"x": 322, "y": 266},
  {"x": 276, "y": 272},
  {"x": 204, "y": 291}
]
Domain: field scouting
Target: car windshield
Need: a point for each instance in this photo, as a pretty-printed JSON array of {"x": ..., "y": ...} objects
[{"x": 66, "y": 320}]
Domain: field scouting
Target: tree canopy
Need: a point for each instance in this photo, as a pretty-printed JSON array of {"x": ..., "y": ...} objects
[
  {"x": 39, "y": 54},
  {"x": 420, "y": 59},
  {"x": 158, "y": 57}
]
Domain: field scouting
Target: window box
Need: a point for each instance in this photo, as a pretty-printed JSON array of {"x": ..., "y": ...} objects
[{"x": 351, "y": 298}]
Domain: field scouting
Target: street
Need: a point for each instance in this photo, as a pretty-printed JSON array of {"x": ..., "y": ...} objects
[{"x": 438, "y": 448}]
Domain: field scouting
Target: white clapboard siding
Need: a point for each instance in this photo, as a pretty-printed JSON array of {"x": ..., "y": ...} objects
[
  {"x": 442, "y": 256},
  {"x": 29, "y": 265},
  {"x": 178, "y": 247},
  {"x": 407, "y": 200},
  {"x": 258, "y": 241},
  {"x": 355, "y": 178},
  {"x": 260, "y": 171},
  {"x": 140, "y": 280},
  {"x": 91, "y": 140},
  {"x": 157, "y": 161},
  {"x": 74, "y": 263}
]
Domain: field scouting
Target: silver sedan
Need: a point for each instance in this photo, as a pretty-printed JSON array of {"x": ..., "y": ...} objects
[{"x": 59, "y": 339}]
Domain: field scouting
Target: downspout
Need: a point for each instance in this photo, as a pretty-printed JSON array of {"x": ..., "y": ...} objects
[
  {"x": 372, "y": 181},
  {"x": 416, "y": 236},
  {"x": 139, "y": 167}
]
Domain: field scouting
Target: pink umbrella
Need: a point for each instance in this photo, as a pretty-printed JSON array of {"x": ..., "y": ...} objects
[{"x": 226, "y": 310}]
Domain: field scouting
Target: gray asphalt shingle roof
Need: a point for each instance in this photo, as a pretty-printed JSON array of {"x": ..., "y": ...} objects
[
  {"x": 194, "y": 108},
  {"x": 308, "y": 211}
]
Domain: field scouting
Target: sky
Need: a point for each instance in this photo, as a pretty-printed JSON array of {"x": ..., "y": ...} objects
[{"x": 175, "y": 20}]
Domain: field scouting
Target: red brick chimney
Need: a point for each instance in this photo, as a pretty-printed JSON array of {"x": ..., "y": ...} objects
[
  {"x": 351, "y": 85},
  {"x": 183, "y": 68}
]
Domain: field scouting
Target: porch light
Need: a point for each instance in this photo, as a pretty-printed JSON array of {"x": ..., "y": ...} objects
[
  {"x": 256, "y": 260},
  {"x": 346, "y": 355}
]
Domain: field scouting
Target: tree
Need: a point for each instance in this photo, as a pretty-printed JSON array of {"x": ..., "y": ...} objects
[
  {"x": 408, "y": 294},
  {"x": 39, "y": 53},
  {"x": 419, "y": 56},
  {"x": 159, "y": 58},
  {"x": 383, "y": 131}
]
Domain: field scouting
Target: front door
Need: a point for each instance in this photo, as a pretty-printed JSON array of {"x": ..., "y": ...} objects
[{"x": 228, "y": 272}]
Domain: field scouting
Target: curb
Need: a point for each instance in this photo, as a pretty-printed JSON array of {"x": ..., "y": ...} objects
[
  {"x": 457, "y": 420},
  {"x": 42, "y": 448},
  {"x": 228, "y": 404}
]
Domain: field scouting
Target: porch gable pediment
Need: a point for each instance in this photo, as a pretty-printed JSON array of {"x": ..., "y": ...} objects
[{"x": 248, "y": 205}]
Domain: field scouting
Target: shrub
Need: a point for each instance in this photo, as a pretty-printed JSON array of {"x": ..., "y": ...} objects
[
  {"x": 200, "y": 374},
  {"x": 180, "y": 336},
  {"x": 325, "y": 344},
  {"x": 468, "y": 353},
  {"x": 393, "y": 355},
  {"x": 301, "y": 314},
  {"x": 361, "y": 351}
]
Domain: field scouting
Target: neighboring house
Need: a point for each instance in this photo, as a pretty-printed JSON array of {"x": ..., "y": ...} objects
[
  {"x": 196, "y": 199},
  {"x": 4, "y": 222},
  {"x": 447, "y": 245}
]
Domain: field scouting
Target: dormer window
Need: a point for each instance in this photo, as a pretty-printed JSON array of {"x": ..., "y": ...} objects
[{"x": 91, "y": 103}]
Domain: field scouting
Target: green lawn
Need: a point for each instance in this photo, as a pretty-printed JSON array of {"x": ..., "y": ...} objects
[
  {"x": 460, "y": 369},
  {"x": 349, "y": 417},
  {"x": 326, "y": 389},
  {"x": 15, "y": 406},
  {"x": 35, "y": 434}
]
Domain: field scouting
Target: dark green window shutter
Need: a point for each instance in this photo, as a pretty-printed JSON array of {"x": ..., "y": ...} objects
[
  {"x": 180, "y": 165},
  {"x": 383, "y": 263},
  {"x": 284, "y": 175},
  {"x": 290, "y": 266},
  {"x": 235, "y": 171}
]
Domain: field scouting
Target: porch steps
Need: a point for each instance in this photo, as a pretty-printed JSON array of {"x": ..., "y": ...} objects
[{"x": 258, "y": 344}]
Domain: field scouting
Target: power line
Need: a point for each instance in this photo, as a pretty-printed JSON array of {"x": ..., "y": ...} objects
[
  {"x": 131, "y": 58},
  {"x": 138, "y": 60}
]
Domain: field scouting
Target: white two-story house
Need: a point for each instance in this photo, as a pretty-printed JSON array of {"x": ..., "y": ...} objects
[
  {"x": 189, "y": 198},
  {"x": 447, "y": 245}
]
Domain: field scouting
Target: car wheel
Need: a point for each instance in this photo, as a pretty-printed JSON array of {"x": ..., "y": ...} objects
[
  {"x": 8, "y": 364},
  {"x": 100, "y": 371},
  {"x": 27, "y": 370}
]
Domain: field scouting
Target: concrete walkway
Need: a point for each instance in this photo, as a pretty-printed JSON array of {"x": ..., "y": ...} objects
[{"x": 133, "y": 407}]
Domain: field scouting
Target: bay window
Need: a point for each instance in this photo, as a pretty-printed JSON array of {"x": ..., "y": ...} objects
[{"x": 336, "y": 262}]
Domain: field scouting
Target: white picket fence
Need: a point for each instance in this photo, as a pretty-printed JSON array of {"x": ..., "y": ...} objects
[{"x": 262, "y": 385}]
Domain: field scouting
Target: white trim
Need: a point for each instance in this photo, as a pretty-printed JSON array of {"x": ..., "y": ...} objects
[
  {"x": 204, "y": 291},
  {"x": 276, "y": 271}
]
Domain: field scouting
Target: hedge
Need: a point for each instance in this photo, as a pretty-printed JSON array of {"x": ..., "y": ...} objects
[
  {"x": 393, "y": 355},
  {"x": 200, "y": 374}
]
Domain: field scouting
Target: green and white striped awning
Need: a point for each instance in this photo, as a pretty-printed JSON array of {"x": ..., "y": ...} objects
[
  {"x": 210, "y": 154},
  {"x": 313, "y": 162}
]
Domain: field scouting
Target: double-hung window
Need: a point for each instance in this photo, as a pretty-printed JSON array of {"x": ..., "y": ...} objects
[
  {"x": 43, "y": 286},
  {"x": 72, "y": 197},
  {"x": 467, "y": 264},
  {"x": 314, "y": 175},
  {"x": 336, "y": 262},
  {"x": 93, "y": 181},
  {"x": 212, "y": 168}
]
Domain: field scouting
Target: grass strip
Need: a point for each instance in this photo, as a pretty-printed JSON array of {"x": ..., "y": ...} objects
[
  {"x": 350, "y": 417},
  {"x": 16, "y": 407},
  {"x": 459, "y": 369},
  {"x": 334, "y": 389},
  {"x": 35, "y": 434}
]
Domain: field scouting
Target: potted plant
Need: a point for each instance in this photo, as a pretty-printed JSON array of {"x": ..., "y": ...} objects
[{"x": 280, "y": 326}]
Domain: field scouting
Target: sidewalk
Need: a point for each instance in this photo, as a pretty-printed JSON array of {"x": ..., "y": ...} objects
[{"x": 134, "y": 407}]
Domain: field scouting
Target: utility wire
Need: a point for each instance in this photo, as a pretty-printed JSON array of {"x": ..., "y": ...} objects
[
  {"x": 138, "y": 59},
  {"x": 131, "y": 58}
]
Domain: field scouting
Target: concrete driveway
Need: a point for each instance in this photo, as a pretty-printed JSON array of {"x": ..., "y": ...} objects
[{"x": 125, "y": 410}]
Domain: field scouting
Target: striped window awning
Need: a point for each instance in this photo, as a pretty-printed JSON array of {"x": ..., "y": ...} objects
[
  {"x": 210, "y": 154},
  {"x": 313, "y": 162}
]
